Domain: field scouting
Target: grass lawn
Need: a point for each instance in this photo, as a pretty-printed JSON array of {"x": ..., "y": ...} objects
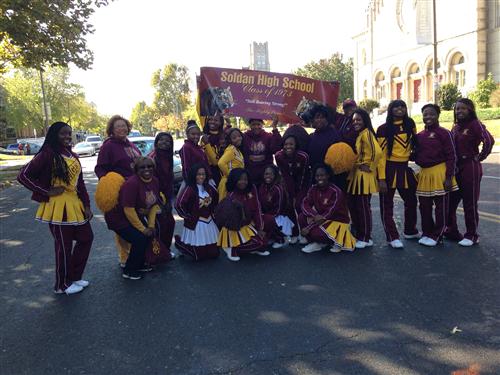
[
  {"x": 15, "y": 157},
  {"x": 493, "y": 126}
]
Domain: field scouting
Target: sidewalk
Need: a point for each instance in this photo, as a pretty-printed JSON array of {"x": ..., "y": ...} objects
[{"x": 15, "y": 164}]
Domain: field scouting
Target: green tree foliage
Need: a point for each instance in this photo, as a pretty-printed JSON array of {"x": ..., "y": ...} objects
[
  {"x": 172, "y": 90},
  {"x": 67, "y": 101},
  {"x": 37, "y": 33},
  {"x": 369, "y": 104},
  {"x": 495, "y": 98},
  {"x": 332, "y": 69},
  {"x": 447, "y": 95},
  {"x": 143, "y": 118},
  {"x": 481, "y": 95}
]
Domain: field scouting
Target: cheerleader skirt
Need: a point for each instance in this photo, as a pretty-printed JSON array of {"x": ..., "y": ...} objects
[
  {"x": 362, "y": 183},
  {"x": 285, "y": 224},
  {"x": 339, "y": 233},
  {"x": 205, "y": 233},
  {"x": 399, "y": 175},
  {"x": 235, "y": 238},
  {"x": 63, "y": 209},
  {"x": 431, "y": 181}
]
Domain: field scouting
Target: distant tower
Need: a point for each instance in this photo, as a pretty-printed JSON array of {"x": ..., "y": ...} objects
[{"x": 259, "y": 56}]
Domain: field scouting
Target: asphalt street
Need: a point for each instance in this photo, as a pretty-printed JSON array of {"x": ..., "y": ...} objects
[{"x": 375, "y": 311}]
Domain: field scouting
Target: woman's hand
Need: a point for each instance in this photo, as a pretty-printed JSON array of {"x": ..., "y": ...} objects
[
  {"x": 364, "y": 168},
  {"x": 382, "y": 186},
  {"x": 148, "y": 232},
  {"x": 88, "y": 213},
  {"x": 447, "y": 184},
  {"x": 275, "y": 122},
  {"x": 55, "y": 190}
]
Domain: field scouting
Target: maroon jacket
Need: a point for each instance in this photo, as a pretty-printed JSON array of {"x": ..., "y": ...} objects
[
  {"x": 295, "y": 172},
  {"x": 328, "y": 201},
  {"x": 116, "y": 156},
  {"x": 192, "y": 154},
  {"x": 37, "y": 177},
  {"x": 251, "y": 203},
  {"x": 467, "y": 138},
  {"x": 258, "y": 151},
  {"x": 187, "y": 205},
  {"x": 164, "y": 171},
  {"x": 272, "y": 199},
  {"x": 435, "y": 146}
]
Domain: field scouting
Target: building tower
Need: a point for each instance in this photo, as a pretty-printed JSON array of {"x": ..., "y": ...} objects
[{"x": 259, "y": 56}]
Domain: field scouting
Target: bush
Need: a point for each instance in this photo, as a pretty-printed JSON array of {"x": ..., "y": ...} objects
[
  {"x": 447, "y": 116},
  {"x": 481, "y": 95},
  {"x": 369, "y": 104},
  {"x": 447, "y": 95},
  {"x": 495, "y": 98}
]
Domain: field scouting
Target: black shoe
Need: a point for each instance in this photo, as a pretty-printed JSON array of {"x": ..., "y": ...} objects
[
  {"x": 145, "y": 268},
  {"x": 131, "y": 275}
]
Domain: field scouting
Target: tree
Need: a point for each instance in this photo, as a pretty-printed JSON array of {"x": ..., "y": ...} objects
[
  {"x": 142, "y": 118},
  {"x": 172, "y": 90},
  {"x": 447, "y": 95},
  {"x": 37, "y": 33},
  {"x": 481, "y": 95},
  {"x": 369, "y": 104},
  {"x": 332, "y": 69}
]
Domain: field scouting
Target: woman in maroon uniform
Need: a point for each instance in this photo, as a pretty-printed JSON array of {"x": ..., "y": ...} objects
[
  {"x": 191, "y": 152},
  {"x": 468, "y": 132},
  {"x": 163, "y": 156},
  {"x": 250, "y": 237},
  {"x": 117, "y": 154},
  {"x": 273, "y": 200},
  {"x": 294, "y": 167},
  {"x": 436, "y": 156},
  {"x": 196, "y": 205},
  {"x": 55, "y": 177},
  {"x": 212, "y": 143},
  {"x": 324, "y": 220},
  {"x": 259, "y": 147}
]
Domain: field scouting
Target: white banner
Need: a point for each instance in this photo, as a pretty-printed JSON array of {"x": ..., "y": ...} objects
[{"x": 424, "y": 22}]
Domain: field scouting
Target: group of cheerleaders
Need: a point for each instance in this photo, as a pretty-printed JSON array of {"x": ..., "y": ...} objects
[{"x": 247, "y": 193}]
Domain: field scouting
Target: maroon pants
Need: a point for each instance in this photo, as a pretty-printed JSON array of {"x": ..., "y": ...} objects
[
  {"x": 315, "y": 234},
  {"x": 469, "y": 183},
  {"x": 387, "y": 212},
  {"x": 273, "y": 232},
  {"x": 255, "y": 244},
  {"x": 71, "y": 261},
  {"x": 197, "y": 252},
  {"x": 361, "y": 215},
  {"x": 165, "y": 223},
  {"x": 434, "y": 228}
]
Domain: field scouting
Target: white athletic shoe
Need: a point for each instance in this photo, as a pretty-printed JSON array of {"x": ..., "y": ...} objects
[
  {"x": 303, "y": 240},
  {"x": 278, "y": 245},
  {"x": 335, "y": 249},
  {"x": 312, "y": 247},
  {"x": 360, "y": 244},
  {"x": 59, "y": 291},
  {"x": 466, "y": 242},
  {"x": 73, "y": 288},
  {"x": 82, "y": 283},
  {"x": 293, "y": 240},
  {"x": 227, "y": 250},
  {"x": 264, "y": 253},
  {"x": 369, "y": 243},
  {"x": 396, "y": 244},
  {"x": 427, "y": 241},
  {"x": 411, "y": 236}
]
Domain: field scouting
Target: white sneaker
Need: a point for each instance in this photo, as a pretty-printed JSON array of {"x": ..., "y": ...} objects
[
  {"x": 466, "y": 242},
  {"x": 427, "y": 241},
  {"x": 264, "y": 253},
  {"x": 411, "y": 236},
  {"x": 302, "y": 240},
  {"x": 228, "y": 250},
  {"x": 122, "y": 265},
  {"x": 312, "y": 247},
  {"x": 73, "y": 288},
  {"x": 335, "y": 249},
  {"x": 82, "y": 283},
  {"x": 422, "y": 240},
  {"x": 396, "y": 244},
  {"x": 369, "y": 243},
  {"x": 360, "y": 244},
  {"x": 293, "y": 240},
  {"x": 59, "y": 291},
  {"x": 278, "y": 245}
]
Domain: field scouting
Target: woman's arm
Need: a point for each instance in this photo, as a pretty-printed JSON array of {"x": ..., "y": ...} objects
[{"x": 29, "y": 176}]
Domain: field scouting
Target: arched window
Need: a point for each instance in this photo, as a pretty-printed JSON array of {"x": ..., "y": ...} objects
[
  {"x": 380, "y": 85},
  {"x": 457, "y": 69}
]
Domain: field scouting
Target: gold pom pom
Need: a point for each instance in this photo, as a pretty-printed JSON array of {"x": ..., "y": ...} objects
[
  {"x": 340, "y": 157},
  {"x": 108, "y": 191}
]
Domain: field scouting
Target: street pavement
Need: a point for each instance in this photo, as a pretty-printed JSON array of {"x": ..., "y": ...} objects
[{"x": 375, "y": 311}]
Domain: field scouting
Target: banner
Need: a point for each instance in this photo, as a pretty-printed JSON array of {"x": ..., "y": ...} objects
[
  {"x": 259, "y": 94},
  {"x": 424, "y": 22}
]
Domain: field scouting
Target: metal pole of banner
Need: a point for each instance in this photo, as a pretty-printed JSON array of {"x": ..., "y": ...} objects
[
  {"x": 435, "y": 60},
  {"x": 45, "y": 110}
]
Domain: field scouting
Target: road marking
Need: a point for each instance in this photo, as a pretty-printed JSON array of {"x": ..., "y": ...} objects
[{"x": 494, "y": 177}]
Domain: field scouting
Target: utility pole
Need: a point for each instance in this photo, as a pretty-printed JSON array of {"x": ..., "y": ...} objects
[
  {"x": 45, "y": 110},
  {"x": 435, "y": 60}
]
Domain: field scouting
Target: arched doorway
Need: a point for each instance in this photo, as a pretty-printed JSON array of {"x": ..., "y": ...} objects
[
  {"x": 414, "y": 83},
  {"x": 457, "y": 70},
  {"x": 380, "y": 93},
  {"x": 396, "y": 84}
]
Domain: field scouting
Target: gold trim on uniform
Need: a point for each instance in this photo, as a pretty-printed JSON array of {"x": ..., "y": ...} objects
[
  {"x": 431, "y": 181},
  {"x": 339, "y": 233}
]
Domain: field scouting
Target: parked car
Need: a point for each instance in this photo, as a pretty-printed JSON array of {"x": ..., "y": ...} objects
[
  {"x": 13, "y": 147},
  {"x": 84, "y": 149},
  {"x": 147, "y": 144},
  {"x": 134, "y": 133},
  {"x": 94, "y": 140}
]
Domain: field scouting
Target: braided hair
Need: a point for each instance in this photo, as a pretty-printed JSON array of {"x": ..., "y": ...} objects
[
  {"x": 51, "y": 142},
  {"x": 408, "y": 126}
]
